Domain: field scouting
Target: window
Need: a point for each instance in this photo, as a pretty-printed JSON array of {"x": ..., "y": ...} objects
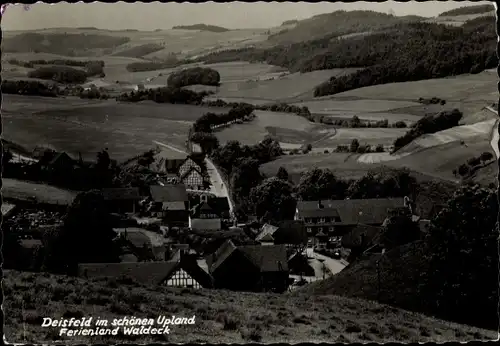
[
  {"x": 331, "y": 229},
  {"x": 322, "y": 220},
  {"x": 309, "y": 229},
  {"x": 320, "y": 229}
]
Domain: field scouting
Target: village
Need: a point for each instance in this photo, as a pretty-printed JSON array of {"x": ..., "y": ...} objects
[{"x": 180, "y": 230}]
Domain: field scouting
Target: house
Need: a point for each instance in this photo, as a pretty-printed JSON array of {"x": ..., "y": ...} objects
[
  {"x": 182, "y": 273},
  {"x": 171, "y": 204},
  {"x": 8, "y": 210},
  {"x": 52, "y": 161},
  {"x": 169, "y": 161},
  {"x": 249, "y": 268},
  {"x": 205, "y": 224},
  {"x": 122, "y": 200},
  {"x": 337, "y": 217},
  {"x": 220, "y": 205},
  {"x": 187, "y": 165},
  {"x": 205, "y": 217},
  {"x": 193, "y": 179}
]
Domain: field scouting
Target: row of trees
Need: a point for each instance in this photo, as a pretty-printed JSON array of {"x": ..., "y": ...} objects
[
  {"x": 141, "y": 66},
  {"x": 164, "y": 95},
  {"x": 355, "y": 122},
  {"x": 429, "y": 124},
  {"x": 467, "y": 169},
  {"x": 31, "y": 88},
  {"x": 209, "y": 121},
  {"x": 61, "y": 74}
]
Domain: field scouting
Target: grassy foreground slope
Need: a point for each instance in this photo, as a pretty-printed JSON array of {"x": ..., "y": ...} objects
[{"x": 227, "y": 316}]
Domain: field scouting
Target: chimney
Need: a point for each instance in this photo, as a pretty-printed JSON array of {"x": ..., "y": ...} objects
[
  {"x": 320, "y": 205},
  {"x": 80, "y": 159}
]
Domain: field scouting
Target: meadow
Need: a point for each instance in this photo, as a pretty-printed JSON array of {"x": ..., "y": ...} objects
[
  {"x": 228, "y": 316},
  {"x": 125, "y": 129},
  {"x": 26, "y": 191}
]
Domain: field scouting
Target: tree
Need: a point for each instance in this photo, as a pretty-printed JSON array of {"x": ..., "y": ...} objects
[
  {"x": 461, "y": 282},
  {"x": 272, "y": 200},
  {"x": 399, "y": 230},
  {"x": 319, "y": 184},
  {"x": 354, "y": 145},
  {"x": 282, "y": 174},
  {"x": 86, "y": 236},
  {"x": 463, "y": 170},
  {"x": 474, "y": 161},
  {"x": 147, "y": 159},
  {"x": 486, "y": 156},
  {"x": 245, "y": 177},
  {"x": 207, "y": 141}
]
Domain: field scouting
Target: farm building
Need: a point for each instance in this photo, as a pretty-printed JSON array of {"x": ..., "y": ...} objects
[
  {"x": 171, "y": 204},
  {"x": 122, "y": 200},
  {"x": 204, "y": 218},
  {"x": 193, "y": 179},
  {"x": 169, "y": 162},
  {"x": 249, "y": 268},
  {"x": 187, "y": 165},
  {"x": 338, "y": 217},
  {"x": 181, "y": 273},
  {"x": 52, "y": 161}
]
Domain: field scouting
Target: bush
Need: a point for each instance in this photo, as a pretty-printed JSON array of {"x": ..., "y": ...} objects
[
  {"x": 379, "y": 148},
  {"x": 61, "y": 74},
  {"x": 474, "y": 161}
]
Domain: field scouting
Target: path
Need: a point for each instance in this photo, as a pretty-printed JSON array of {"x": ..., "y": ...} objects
[
  {"x": 495, "y": 136},
  {"x": 217, "y": 185},
  {"x": 333, "y": 265}
]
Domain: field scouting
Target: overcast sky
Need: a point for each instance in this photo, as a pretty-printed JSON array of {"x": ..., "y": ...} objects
[{"x": 234, "y": 15}]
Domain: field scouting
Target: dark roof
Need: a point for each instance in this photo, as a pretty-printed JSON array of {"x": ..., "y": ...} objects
[
  {"x": 353, "y": 211},
  {"x": 144, "y": 272},
  {"x": 121, "y": 193},
  {"x": 272, "y": 258},
  {"x": 152, "y": 273},
  {"x": 222, "y": 253},
  {"x": 203, "y": 206},
  {"x": 323, "y": 212},
  {"x": 361, "y": 235},
  {"x": 169, "y": 193},
  {"x": 291, "y": 232},
  {"x": 219, "y": 204}
]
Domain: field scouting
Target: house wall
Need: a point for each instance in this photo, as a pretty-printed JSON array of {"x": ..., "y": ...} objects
[
  {"x": 182, "y": 279},
  {"x": 274, "y": 281},
  {"x": 193, "y": 181},
  {"x": 186, "y": 166}
]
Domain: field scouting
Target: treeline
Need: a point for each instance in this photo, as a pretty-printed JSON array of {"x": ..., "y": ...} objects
[
  {"x": 61, "y": 74},
  {"x": 413, "y": 52},
  {"x": 201, "y": 27},
  {"x": 31, "y": 88},
  {"x": 468, "y": 10},
  {"x": 193, "y": 76},
  {"x": 429, "y": 124},
  {"x": 209, "y": 121},
  {"x": 355, "y": 122},
  {"x": 467, "y": 169},
  {"x": 165, "y": 95},
  {"x": 276, "y": 107}
]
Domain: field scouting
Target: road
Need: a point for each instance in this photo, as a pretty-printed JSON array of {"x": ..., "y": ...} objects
[
  {"x": 217, "y": 185},
  {"x": 333, "y": 265},
  {"x": 495, "y": 136}
]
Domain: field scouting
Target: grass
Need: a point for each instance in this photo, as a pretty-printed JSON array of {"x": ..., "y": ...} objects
[
  {"x": 229, "y": 317},
  {"x": 126, "y": 129},
  {"x": 22, "y": 190}
]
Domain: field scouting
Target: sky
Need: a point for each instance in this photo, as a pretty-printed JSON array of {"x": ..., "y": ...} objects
[{"x": 232, "y": 15}]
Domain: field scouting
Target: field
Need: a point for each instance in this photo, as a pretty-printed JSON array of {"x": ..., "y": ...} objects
[
  {"x": 287, "y": 128},
  {"x": 229, "y": 317},
  {"x": 272, "y": 86},
  {"x": 22, "y": 190},
  {"x": 370, "y": 136},
  {"x": 125, "y": 129}
]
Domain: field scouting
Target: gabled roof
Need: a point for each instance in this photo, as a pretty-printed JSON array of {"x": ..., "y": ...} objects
[
  {"x": 174, "y": 206},
  {"x": 222, "y": 253},
  {"x": 206, "y": 224},
  {"x": 266, "y": 233},
  {"x": 267, "y": 258},
  {"x": 169, "y": 193},
  {"x": 121, "y": 193},
  {"x": 192, "y": 169},
  {"x": 153, "y": 273},
  {"x": 353, "y": 211},
  {"x": 291, "y": 232},
  {"x": 202, "y": 207}
]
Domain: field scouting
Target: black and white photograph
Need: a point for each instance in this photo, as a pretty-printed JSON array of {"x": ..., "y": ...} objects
[{"x": 260, "y": 172}]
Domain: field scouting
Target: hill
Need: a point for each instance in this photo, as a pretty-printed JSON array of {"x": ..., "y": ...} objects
[
  {"x": 201, "y": 27},
  {"x": 468, "y": 10},
  {"x": 335, "y": 24},
  {"x": 139, "y": 51},
  {"x": 226, "y": 316},
  {"x": 60, "y": 43}
]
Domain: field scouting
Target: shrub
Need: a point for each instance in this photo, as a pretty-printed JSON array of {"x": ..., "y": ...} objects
[{"x": 474, "y": 161}]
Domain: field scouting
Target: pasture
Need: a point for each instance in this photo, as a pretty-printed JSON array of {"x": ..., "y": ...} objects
[
  {"x": 125, "y": 129},
  {"x": 369, "y": 136},
  {"x": 26, "y": 191}
]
